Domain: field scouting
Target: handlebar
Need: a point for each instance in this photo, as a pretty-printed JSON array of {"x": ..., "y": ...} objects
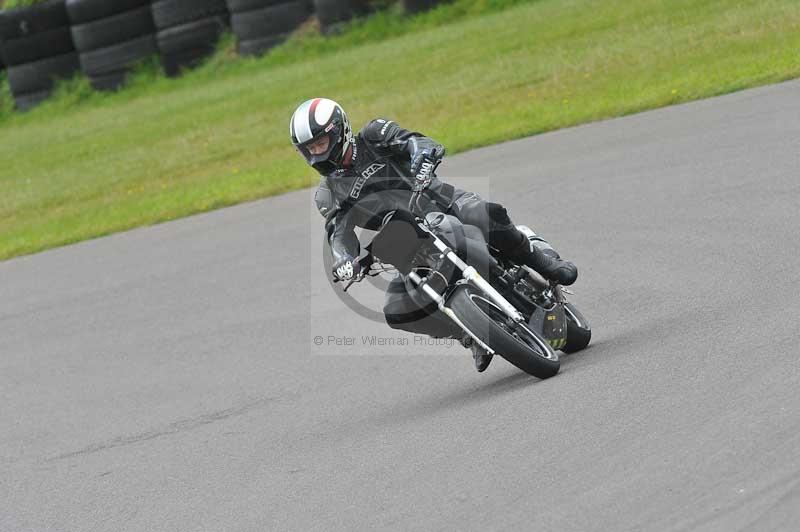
[
  {"x": 422, "y": 181},
  {"x": 366, "y": 263},
  {"x": 357, "y": 279}
]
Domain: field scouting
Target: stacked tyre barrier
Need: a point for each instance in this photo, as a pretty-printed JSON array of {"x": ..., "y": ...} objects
[
  {"x": 417, "y": 6},
  {"x": 106, "y": 39},
  {"x": 2, "y": 64},
  {"x": 261, "y": 24},
  {"x": 112, "y": 37},
  {"x": 37, "y": 49},
  {"x": 332, "y": 14},
  {"x": 188, "y": 31}
]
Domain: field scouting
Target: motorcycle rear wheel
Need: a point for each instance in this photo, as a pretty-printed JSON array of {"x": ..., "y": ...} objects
[
  {"x": 579, "y": 332},
  {"x": 518, "y": 344}
]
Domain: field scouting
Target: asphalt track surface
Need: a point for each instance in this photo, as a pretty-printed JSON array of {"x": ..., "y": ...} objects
[{"x": 167, "y": 378}]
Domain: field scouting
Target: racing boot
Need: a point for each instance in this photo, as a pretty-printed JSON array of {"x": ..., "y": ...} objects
[
  {"x": 482, "y": 358},
  {"x": 537, "y": 253}
]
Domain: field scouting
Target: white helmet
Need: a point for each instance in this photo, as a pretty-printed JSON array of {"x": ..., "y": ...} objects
[{"x": 315, "y": 120}]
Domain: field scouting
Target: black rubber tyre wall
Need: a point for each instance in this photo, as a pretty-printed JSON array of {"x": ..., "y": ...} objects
[
  {"x": 38, "y": 18},
  {"x": 37, "y": 48},
  {"x": 256, "y": 47},
  {"x": 271, "y": 21},
  {"x": 24, "y": 102},
  {"x": 188, "y": 31},
  {"x": 111, "y": 59},
  {"x": 108, "y": 67},
  {"x": 500, "y": 340},
  {"x": 240, "y": 6},
  {"x": 39, "y": 77},
  {"x": 36, "y": 32},
  {"x": 113, "y": 30},
  {"x": 261, "y": 24},
  {"x": 333, "y": 13},
  {"x": 418, "y": 6},
  {"x": 111, "y": 37},
  {"x": 171, "y": 13},
  {"x": 83, "y": 11},
  {"x": 186, "y": 46}
]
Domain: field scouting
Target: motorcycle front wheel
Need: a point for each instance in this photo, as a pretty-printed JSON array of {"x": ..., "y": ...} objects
[{"x": 513, "y": 341}]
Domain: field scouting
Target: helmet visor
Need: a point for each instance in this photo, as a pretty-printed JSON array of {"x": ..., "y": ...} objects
[{"x": 323, "y": 147}]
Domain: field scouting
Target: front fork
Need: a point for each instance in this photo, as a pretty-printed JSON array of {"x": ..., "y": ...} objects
[{"x": 470, "y": 275}]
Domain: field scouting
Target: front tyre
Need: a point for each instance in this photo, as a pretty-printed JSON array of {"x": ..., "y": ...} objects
[
  {"x": 579, "y": 332},
  {"x": 513, "y": 341}
]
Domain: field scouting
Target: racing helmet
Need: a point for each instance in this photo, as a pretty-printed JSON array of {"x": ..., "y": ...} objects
[{"x": 321, "y": 133}]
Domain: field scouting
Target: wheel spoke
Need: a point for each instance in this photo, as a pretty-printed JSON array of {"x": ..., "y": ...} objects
[{"x": 498, "y": 316}]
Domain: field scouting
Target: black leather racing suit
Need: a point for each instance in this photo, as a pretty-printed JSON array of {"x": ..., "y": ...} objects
[{"x": 377, "y": 183}]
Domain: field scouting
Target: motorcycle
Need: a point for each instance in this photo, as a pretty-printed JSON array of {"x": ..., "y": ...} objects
[{"x": 506, "y": 308}]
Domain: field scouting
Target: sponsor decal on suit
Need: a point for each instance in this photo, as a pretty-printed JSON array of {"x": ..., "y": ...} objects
[{"x": 366, "y": 174}]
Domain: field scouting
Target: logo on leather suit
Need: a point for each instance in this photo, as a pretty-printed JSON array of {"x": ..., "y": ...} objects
[{"x": 366, "y": 174}]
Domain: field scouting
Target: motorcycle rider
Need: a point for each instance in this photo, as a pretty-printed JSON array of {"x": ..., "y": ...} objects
[{"x": 367, "y": 175}]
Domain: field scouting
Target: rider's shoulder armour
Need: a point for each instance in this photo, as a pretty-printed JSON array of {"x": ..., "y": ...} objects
[
  {"x": 324, "y": 199},
  {"x": 379, "y": 132}
]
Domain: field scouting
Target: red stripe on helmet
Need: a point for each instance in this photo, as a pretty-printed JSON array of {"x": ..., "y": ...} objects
[{"x": 313, "y": 109}]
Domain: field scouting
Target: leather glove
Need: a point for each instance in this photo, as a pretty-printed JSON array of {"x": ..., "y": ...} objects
[
  {"x": 423, "y": 164},
  {"x": 346, "y": 268}
]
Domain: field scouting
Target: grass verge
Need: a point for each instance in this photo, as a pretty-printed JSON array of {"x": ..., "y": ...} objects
[{"x": 85, "y": 164}]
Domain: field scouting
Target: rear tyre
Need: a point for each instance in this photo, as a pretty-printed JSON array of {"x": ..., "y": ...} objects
[
  {"x": 579, "y": 332},
  {"x": 519, "y": 345}
]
